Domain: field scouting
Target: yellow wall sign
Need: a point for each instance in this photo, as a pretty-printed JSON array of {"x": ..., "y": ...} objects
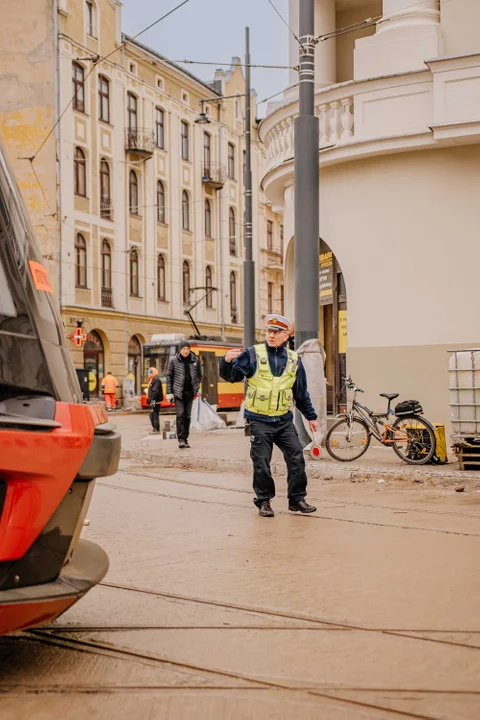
[{"x": 342, "y": 331}]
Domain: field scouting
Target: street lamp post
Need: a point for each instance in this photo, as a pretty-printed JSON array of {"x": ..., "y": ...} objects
[
  {"x": 248, "y": 264},
  {"x": 306, "y": 185}
]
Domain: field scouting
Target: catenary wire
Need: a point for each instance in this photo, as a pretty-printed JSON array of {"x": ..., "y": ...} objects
[
  {"x": 285, "y": 23},
  {"x": 102, "y": 59}
]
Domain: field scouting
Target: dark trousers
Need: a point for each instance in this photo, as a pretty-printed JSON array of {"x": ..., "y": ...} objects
[
  {"x": 155, "y": 416},
  {"x": 183, "y": 409},
  {"x": 284, "y": 435}
]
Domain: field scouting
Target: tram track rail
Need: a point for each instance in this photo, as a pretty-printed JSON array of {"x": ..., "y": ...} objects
[
  {"x": 317, "y": 516},
  {"x": 256, "y": 683}
]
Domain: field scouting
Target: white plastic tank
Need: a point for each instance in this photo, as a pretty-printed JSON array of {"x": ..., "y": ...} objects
[{"x": 464, "y": 372}]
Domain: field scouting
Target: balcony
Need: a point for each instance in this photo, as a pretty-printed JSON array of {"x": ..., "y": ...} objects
[
  {"x": 274, "y": 258},
  {"x": 425, "y": 109},
  {"x": 107, "y": 297},
  {"x": 106, "y": 209},
  {"x": 214, "y": 175},
  {"x": 140, "y": 142}
]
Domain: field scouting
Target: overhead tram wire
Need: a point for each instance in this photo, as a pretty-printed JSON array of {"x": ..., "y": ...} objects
[
  {"x": 377, "y": 20},
  {"x": 286, "y": 24},
  {"x": 97, "y": 61}
]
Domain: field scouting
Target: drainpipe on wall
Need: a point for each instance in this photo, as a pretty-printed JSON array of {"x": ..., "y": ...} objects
[{"x": 58, "y": 152}]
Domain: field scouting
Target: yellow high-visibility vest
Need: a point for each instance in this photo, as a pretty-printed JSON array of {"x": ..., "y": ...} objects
[{"x": 267, "y": 394}]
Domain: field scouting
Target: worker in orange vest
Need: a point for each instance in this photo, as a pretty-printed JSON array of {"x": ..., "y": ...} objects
[{"x": 109, "y": 385}]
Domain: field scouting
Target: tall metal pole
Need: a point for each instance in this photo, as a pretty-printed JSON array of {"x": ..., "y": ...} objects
[
  {"x": 248, "y": 265},
  {"x": 306, "y": 185}
]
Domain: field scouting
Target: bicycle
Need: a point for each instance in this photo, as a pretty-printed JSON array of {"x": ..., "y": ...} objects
[{"x": 411, "y": 437}]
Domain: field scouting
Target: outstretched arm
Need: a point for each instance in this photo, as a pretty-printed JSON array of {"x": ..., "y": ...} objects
[{"x": 237, "y": 365}]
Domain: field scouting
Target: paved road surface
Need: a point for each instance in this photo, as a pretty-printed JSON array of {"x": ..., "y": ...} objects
[{"x": 368, "y": 609}]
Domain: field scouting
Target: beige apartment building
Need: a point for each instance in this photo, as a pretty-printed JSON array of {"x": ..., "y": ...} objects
[
  {"x": 147, "y": 214},
  {"x": 398, "y": 103}
]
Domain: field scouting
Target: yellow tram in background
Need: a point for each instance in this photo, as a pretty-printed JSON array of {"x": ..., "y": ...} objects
[{"x": 162, "y": 348}]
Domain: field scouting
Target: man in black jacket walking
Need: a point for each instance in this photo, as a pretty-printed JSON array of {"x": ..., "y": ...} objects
[
  {"x": 154, "y": 398},
  {"x": 184, "y": 376}
]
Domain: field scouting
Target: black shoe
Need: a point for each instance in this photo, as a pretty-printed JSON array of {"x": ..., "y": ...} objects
[
  {"x": 154, "y": 432},
  {"x": 265, "y": 509},
  {"x": 301, "y": 506},
  {"x": 187, "y": 445},
  {"x": 182, "y": 444}
]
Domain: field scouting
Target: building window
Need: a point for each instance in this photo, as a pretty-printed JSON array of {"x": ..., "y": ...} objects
[
  {"x": 80, "y": 172},
  {"x": 161, "y": 279},
  {"x": 103, "y": 99},
  {"x": 270, "y": 298},
  {"x": 106, "y": 266},
  {"x": 78, "y": 77},
  {"x": 209, "y": 286},
  {"x": 231, "y": 161},
  {"x": 207, "y": 153},
  {"x": 105, "y": 198},
  {"x": 282, "y": 245},
  {"x": 238, "y": 110},
  {"x": 282, "y": 301},
  {"x": 232, "y": 232},
  {"x": 185, "y": 211},
  {"x": 160, "y": 202},
  {"x": 208, "y": 219},
  {"x": 134, "y": 284},
  {"x": 186, "y": 283},
  {"x": 132, "y": 112},
  {"x": 185, "y": 141},
  {"x": 90, "y": 18},
  {"x": 244, "y": 168},
  {"x": 159, "y": 128},
  {"x": 80, "y": 261},
  {"x": 133, "y": 192},
  {"x": 269, "y": 235},
  {"x": 233, "y": 297}
]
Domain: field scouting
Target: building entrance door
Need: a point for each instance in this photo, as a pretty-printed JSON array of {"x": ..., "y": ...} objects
[
  {"x": 93, "y": 362},
  {"x": 333, "y": 327},
  {"x": 135, "y": 363}
]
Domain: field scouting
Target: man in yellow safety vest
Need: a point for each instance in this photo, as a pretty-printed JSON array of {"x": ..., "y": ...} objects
[{"x": 275, "y": 376}]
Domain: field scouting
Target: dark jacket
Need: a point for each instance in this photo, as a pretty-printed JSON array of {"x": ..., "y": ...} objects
[
  {"x": 245, "y": 366},
  {"x": 155, "y": 391},
  {"x": 176, "y": 375}
]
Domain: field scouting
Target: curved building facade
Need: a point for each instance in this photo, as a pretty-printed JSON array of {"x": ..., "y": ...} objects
[{"x": 399, "y": 185}]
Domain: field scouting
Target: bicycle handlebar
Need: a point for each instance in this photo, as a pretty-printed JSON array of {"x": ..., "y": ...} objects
[{"x": 351, "y": 385}]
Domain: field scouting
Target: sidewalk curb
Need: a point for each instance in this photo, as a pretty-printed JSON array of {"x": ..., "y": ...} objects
[{"x": 327, "y": 471}]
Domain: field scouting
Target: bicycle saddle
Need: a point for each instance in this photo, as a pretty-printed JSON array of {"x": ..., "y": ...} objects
[{"x": 389, "y": 396}]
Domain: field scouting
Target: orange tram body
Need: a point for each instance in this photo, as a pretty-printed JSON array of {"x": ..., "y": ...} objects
[
  {"x": 162, "y": 348},
  {"x": 52, "y": 445}
]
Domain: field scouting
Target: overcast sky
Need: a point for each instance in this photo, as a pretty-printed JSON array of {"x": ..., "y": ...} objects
[{"x": 214, "y": 31}]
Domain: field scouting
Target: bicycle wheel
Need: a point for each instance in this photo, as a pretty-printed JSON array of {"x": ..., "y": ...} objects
[
  {"x": 413, "y": 440},
  {"x": 348, "y": 440}
]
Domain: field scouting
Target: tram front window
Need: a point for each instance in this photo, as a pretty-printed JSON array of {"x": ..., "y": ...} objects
[{"x": 159, "y": 358}]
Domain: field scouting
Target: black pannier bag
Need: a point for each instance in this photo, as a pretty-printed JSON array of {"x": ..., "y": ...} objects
[{"x": 408, "y": 407}]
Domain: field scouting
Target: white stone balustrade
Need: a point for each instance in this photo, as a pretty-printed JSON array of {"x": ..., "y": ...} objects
[{"x": 395, "y": 113}]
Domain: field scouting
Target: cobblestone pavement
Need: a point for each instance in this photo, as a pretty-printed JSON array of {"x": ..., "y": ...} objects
[{"x": 367, "y": 609}]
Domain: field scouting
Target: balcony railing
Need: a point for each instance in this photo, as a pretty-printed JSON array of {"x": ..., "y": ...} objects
[
  {"x": 106, "y": 208},
  {"x": 140, "y": 141},
  {"x": 275, "y": 256},
  {"x": 214, "y": 175},
  {"x": 107, "y": 297}
]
